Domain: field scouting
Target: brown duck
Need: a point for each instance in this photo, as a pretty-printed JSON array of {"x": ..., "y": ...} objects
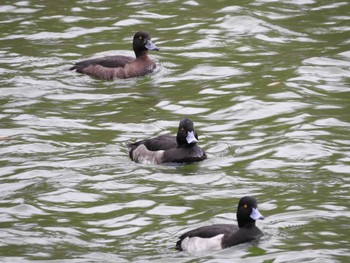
[{"x": 122, "y": 67}]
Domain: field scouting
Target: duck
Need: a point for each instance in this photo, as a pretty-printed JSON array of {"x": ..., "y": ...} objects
[
  {"x": 122, "y": 67},
  {"x": 221, "y": 236},
  {"x": 168, "y": 148}
]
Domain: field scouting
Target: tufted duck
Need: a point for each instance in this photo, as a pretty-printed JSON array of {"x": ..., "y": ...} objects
[
  {"x": 181, "y": 148},
  {"x": 219, "y": 236},
  {"x": 108, "y": 68}
]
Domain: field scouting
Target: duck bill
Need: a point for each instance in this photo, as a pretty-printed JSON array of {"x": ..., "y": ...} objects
[
  {"x": 150, "y": 46},
  {"x": 255, "y": 215},
  {"x": 190, "y": 138}
]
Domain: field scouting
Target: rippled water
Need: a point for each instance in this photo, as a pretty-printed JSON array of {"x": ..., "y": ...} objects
[{"x": 266, "y": 83}]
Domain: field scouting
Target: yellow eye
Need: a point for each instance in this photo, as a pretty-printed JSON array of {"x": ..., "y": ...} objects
[
  {"x": 245, "y": 206},
  {"x": 140, "y": 37}
]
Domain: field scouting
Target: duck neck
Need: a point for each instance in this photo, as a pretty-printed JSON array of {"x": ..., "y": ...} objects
[
  {"x": 140, "y": 54},
  {"x": 182, "y": 143},
  {"x": 246, "y": 224}
]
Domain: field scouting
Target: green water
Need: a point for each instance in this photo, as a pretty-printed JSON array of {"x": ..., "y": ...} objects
[{"x": 266, "y": 84}]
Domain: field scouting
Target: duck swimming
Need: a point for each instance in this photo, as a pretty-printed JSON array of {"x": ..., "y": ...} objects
[
  {"x": 220, "y": 236},
  {"x": 122, "y": 67},
  {"x": 167, "y": 148}
]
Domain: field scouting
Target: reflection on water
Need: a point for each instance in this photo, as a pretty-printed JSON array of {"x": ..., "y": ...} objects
[{"x": 267, "y": 84}]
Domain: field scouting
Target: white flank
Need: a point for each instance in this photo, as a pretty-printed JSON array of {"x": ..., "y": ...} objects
[
  {"x": 196, "y": 244},
  {"x": 142, "y": 155}
]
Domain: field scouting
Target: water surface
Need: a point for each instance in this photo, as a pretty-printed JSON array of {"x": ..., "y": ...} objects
[{"x": 266, "y": 83}]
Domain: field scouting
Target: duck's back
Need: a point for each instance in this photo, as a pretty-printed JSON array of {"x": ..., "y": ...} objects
[
  {"x": 107, "y": 62},
  {"x": 162, "y": 142},
  {"x": 211, "y": 231}
]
